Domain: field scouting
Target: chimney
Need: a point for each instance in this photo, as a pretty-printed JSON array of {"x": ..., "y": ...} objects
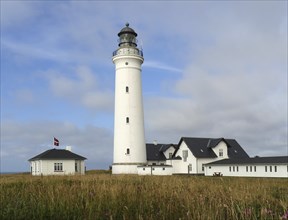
[{"x": 69, "y": 148}]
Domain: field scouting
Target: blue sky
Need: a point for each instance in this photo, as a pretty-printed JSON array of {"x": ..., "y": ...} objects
[{"x": 211, "y": 69}]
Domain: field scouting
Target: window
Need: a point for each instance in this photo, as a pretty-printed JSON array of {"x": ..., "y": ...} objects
[
  {"x": 161, "y": 163},
  {"x": 185, "y": 155},
  {"x": 246, "y": 168},
  {"x": 126, "y": 63},
  {"x": 143, "y": 168},
  {"x": 127, "y": 120},
  {"x": 275, "y": 168},
  {"x": 170, "y": 155},
  {"x": 202, "y": 168},
  {"x": 163, "y": 168},
  {"x": 154, "y": 164},
  {"x": 237, "y": 169},
  {"x": 250, "y": 168},
  {"x": 127, "y": 89},
  {"x": 265, "y": 168},
  {"x": 153, "y": 168},
  {"x": 254, "y": 168},
  {"x": 127, "y": 151},
  {"x": 233, "y": 169},
  {"x": 76, "y": 167},
  {"x": 189, "y": 168},
  {"x": 58, "y": 167},
  {"x": 209, "y": 167},
  {"x": 229, "y": 169},
  {"x": 270, "y": 168},
  {"x": 220, "y": 152}
]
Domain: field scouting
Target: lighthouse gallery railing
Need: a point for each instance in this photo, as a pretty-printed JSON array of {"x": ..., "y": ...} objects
[{"x": 128, "y": 51}]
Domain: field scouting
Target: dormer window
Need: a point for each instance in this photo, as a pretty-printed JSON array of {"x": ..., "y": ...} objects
[{"x": 220, "y": 152}]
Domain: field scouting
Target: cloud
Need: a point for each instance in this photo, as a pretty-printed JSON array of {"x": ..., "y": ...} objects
[
  {"x": 25, "y": 96},
  {"x": 161, "y": 66},
  {"x": 82, "y": 88},
  {"x": 233, "y": 86},
  {"x": 38, "y": 52},
  {"x": 16, "y": 13}
]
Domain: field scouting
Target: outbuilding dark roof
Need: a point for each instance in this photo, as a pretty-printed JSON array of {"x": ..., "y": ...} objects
[
  {"x": 155, "y": 151},
  {"x": 202, "y": 147},
  {"x": 254, "y": 160},
  {"x": 57, "y": 154}
]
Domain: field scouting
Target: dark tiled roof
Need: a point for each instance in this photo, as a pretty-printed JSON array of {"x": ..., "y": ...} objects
[
  {"x": 57, "y": 154},
  {"x": 235, "y": 150},
  {"x": 177, "y": 158},
  {"x": 155, "y": 151},
  {"x": 254, "y": 160},
  {"x": 202, "y": 147}
]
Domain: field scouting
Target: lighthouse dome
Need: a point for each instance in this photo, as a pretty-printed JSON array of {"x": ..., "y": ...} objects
[{"x": 127, "y": 30}]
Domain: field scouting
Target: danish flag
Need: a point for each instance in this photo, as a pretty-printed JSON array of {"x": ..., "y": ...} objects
[{"x": 56, "y": 142}]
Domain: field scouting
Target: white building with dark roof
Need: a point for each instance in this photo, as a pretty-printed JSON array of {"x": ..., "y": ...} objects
[
  {"x": 197, "y": 156},
  {"x": 209, "y": 157},
  {"x": 57, "y": 162},
  {"x": 249, "y": 167}
]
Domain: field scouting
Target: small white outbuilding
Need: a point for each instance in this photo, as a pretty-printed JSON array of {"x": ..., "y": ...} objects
[
  {"x": 57, "y": 162},
  {"x": 249, "y": 167}
]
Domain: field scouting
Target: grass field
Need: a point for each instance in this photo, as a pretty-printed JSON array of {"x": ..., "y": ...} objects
[{"x": 99, "y": 195}]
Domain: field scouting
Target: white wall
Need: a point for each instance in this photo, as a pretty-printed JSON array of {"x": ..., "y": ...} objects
[
  {"x": 46, "y": 167},
  {"x": 201, "y": 163},
  {"x": 181, "y": 166},
  {"x": 128, "y": 104},
  {"x": 241, "y": 171},
  {"x": 155, "y": 170},
  {"x": 124, "y": 169}
]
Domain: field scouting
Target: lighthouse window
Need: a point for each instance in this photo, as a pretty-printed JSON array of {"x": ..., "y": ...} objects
[
  {"x": 127, "y": 151},
  {"x": 127, "y": 120},
  {"x": 127, "y": 89},
  {"x": 126, "y": 63}
]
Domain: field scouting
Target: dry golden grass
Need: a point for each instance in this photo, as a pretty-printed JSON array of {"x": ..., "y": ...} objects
[{"x": 99, "y": 195}]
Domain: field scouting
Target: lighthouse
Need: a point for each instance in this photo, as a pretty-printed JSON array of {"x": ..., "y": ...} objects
[{"x": 129, "y": 135}]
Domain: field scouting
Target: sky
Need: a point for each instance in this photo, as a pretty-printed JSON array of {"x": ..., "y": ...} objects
[{"x": 212, "y": 69}]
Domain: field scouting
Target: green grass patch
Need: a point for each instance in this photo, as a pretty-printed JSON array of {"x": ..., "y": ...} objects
[{"x": 100, "y": 195}]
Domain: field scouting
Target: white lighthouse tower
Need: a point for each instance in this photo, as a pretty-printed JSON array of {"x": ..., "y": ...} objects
[{"x": 129, "y": 137}]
